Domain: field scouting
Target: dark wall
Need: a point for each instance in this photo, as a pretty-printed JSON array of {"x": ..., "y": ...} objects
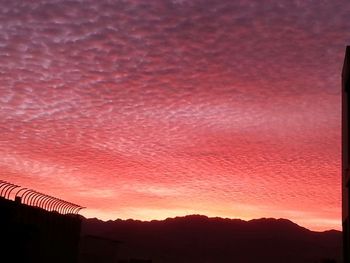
[{"x": 31, "y": 234}]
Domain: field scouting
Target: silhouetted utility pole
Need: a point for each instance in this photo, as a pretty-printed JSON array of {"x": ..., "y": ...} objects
[{"x": 345, "y": 154}]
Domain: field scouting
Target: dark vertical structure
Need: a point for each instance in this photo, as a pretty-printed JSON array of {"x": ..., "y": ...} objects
[
  {"x": 37, "y": 228},
  {"x": 345, "y": 154}
]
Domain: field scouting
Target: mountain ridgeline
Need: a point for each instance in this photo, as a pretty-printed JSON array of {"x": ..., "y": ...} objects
[{"x": 199, "y": 239}]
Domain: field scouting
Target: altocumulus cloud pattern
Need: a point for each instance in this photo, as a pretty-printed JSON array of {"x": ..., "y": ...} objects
[{"x": 150, "y": 109}]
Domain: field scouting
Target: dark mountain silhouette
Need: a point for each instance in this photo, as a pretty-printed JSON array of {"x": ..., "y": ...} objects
[{"x": 195, "y": 238}]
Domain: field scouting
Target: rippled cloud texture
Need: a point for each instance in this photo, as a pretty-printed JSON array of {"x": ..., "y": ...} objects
[{"x": 151, "y": 109}]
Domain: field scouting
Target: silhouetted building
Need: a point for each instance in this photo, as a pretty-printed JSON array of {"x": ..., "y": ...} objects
[
  {"x": 134, "y": 260},
  {"x": 345, "y": 154},
  {"x": 95, "y": 249},
  {"x": 33, "y": 233}
]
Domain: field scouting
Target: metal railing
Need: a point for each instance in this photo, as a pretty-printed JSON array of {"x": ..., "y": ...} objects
[{"x": 33, "y": 198}]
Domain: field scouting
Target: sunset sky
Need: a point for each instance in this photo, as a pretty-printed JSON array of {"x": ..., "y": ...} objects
[{"x": 163, "y": 108}]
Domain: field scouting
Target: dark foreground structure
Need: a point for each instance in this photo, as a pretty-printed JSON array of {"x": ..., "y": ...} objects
[
  {"x": 36, "y": 227},
  {"x": 345, "y": 154},
  {"x": 96, "y": 249}
]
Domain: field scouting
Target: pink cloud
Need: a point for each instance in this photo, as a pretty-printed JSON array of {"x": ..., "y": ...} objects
[{"x": 229, "y": 109}]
